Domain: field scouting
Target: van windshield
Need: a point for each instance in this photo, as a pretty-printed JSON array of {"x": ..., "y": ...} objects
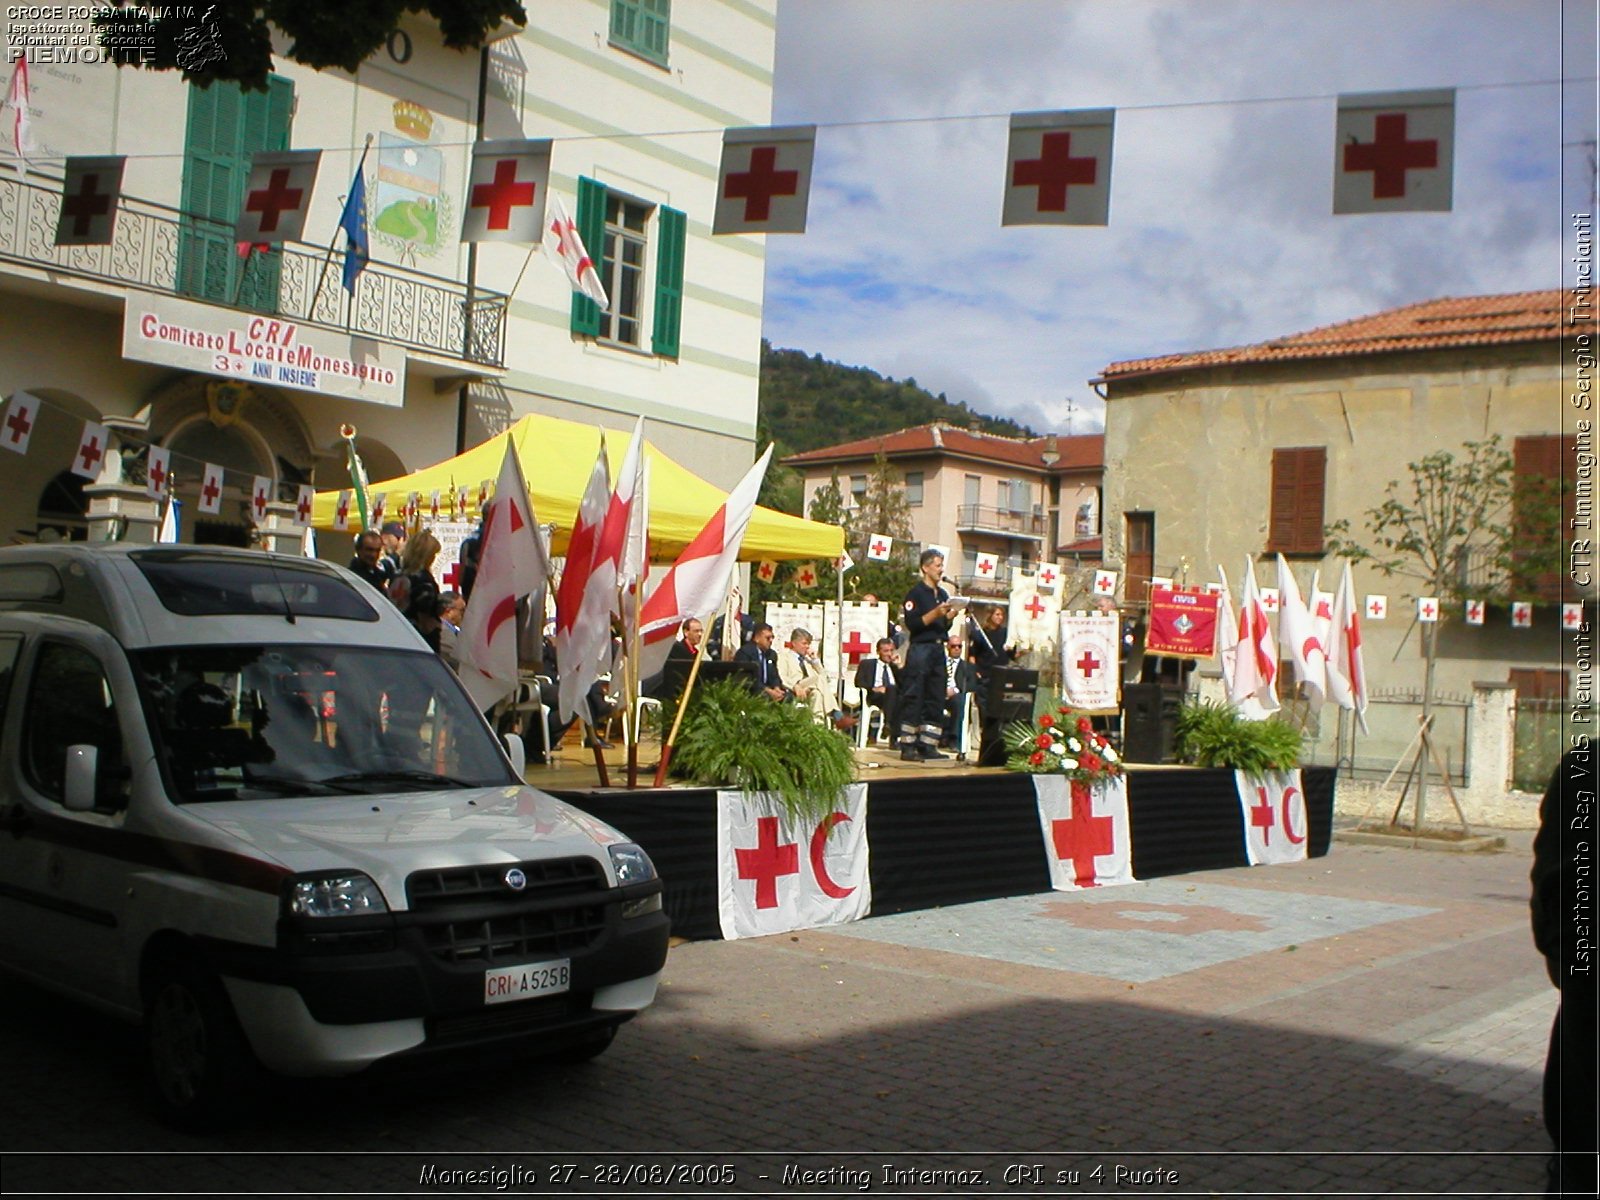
[{"x": 253, "y": 722}]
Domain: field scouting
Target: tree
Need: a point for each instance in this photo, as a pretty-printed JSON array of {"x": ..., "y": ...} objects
[
  {"x": 232, "y": 39},
  {"x": 883, "y": 509}
]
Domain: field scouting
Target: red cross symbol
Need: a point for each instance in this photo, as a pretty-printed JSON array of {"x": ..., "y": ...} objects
[
  {"x": 879, "y": 546},
  {"x": 158, "y": 475},
  {"x": 1474, "y": 611},
  {"x": 344, "y": 509},
  {"x": 278, "y": 199},
  {"x": 1375, "y": 608},
  {"x": 377, "y": 509},
  {"x": 1269, "y": 601},
  {"x": 757, "y": 186},
  {"x": 87, "y": 204},
  {"x": 985, "y": 565},
  {"x": 303, "y": 508},
  {"x": 19, "y": 422},
  {"x": 483, "y": 494},
  {"x": 1261, "y": 816},
  {"x": 502, "y": 194},
  {"x": 1427, "y": 609},
  {"x": 767, "y": 862},
  {"x": 452, "y": 577},
  {"x": 1522, "y": 613},
  {"x": 258, "y": 501},
  {"x": 1089, "y": 664},
  {"x": 91, "y": 453},
  {"x": 1573, "y": 617},
  {"x": 1053, "y": 171},
  {"x": 1034, "y": 607},
  {"x": 806, "y": 578},
  {"x": 766, "y": 571},
  {"x": 435, "y": 506},
  {"x": 1104, "y": 583},
  {"x": 1083, "y": 837},
  {"x": 1047, "y": 575},
  {"x": 856, "y": 647},
  {"x": 210, "y": 492},
  {"x": 1389, "y": 156}
]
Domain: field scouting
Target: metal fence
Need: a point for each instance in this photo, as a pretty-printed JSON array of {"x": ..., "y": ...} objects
[
  {"x": 1390, "y": 738},
  {"x": 1541, "y": 730}
]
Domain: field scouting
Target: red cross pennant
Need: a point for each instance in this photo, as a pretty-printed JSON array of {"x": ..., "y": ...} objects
[
  {"x": 1390, "y": 155},
  {"x": 1377, "y": 607},
  {"x": 1474, "y": 612},
  {"x": 806, "y": 577},
  {"x": 1394, "y": 152},
  {"x": 1058, "y": 168},
  {"x": 277, "y": 196},
  {"x": 302, "y": 506},
  {"x": 1104, "y": 584},
  {"x": 258, "y": 498},
  {"x": 1426, "y": 609},
  {"x": 1047, "y": 576},
  {"x": 1269, "y": 599},
  {"x": 764, "y": 181},
  {"x": 766, "y": 571},
  {"x": 274, "y": 200},
  {"x": 506, "y": 192},
  {"x": 155, "y": 475},
  {"x": 757, "y": 186},
  {"x": 18, "y": 428},
  {"x": 985, "y": 565},
  {"x": 1571, "y": 615},
  {"x": 880, "y": 548},
  {"x": 1053, "y": 172},
  {"x": 85, "y": 204},
  {"x": 378, "y": 503},
  {"x": 502, "y": 194},
  {"x": 91, "y": 450},
  {"x": 768, "y": 862},
  {"x": 90, "y": 188},
  {"x": 1085, "y": 836},
  {"x": 856, "y": 647},
  {"x": 211, "y": 492},
  {"x": 1034, "y": 607},
  {"x": 1522, "y": 614},
  {"x": 1089, "y": 664},
  {"x": 341, "y": 513}
]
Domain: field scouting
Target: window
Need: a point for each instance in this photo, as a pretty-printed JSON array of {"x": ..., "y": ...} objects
[
  {"x": 641, "y": 27},
  {"x": 970, "y": 494},
  {"x": 1540, "y": 464},
  {"x": 913, "y": 487},
  {"x": 858, "y": 490},
  {"x": 1140, "y": 533},
  {"x": 1297, "y": 493},
  {"x": 69, "y": 704},
  {"x": 623, "y": 229}
]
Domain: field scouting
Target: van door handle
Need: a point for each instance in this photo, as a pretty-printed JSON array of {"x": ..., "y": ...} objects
[{"x": 15, "y": 820}]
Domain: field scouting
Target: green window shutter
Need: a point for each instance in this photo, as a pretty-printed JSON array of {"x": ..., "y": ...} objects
[
  {"x": 673, "y": 229},
  {"x": 267, "y": 120},
  {"x": 591, "y": 222},
  {"x": 655, "y": 18}
]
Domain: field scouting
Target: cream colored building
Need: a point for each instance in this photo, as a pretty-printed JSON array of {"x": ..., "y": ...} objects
[{"x": 635, "y": 94}]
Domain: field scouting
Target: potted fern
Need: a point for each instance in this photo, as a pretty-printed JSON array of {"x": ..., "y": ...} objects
[{"x": 1215, "y": 735}]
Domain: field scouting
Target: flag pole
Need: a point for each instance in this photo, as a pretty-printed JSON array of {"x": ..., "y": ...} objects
[
  {"x": 688, "y": 686},
  {"x": 633, "y": 658}
]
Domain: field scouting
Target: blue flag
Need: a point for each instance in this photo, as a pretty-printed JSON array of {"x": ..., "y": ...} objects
[{"x": 354, "y": 223}]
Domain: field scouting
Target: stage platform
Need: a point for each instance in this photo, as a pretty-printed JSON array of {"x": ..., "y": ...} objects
[{"x": 941, "y": 833}]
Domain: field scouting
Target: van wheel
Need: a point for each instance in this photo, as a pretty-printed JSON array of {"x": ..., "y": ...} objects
[{"x": 200, "y": 1063}]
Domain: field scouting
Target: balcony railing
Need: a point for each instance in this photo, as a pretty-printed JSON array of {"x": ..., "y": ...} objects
[
  {"x": 979, "y": 519},
  {"x": 423, "y": 312}
]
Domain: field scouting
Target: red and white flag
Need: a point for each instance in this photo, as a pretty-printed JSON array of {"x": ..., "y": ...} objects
[
  {"x": 277, "y": 197},
  {"x": 564, "y": 245},
  {"x": 1428, "y": 609},
  {"x": 211, "y": 489},
  {"x": 90, "y": 193},
  {"x": 1252, "y": 687},
  {"x": 1086, "y": 837},
  {"x": 633, "y": 493},
  {"x": 1347, "y": 674},
  {"x": 775, "y": 874},
  {"x": 1089, "y": 660},
  {"x": 766, "y": 570},
  {"x": 1105, "y": 583},
  {"x": 305, "y": 497},
  {"x": 378, "y": 501},
  {"x": 260, "y": 497},
  {"x": 157, "y": 472},
  {"x": 92, "y": 445},
  {"x": 878, "y": 547},
  {"x": 583, "y": 625},
  {"x": 805, "y": 576},
  {"x": 1274, "y": 809},
  {"x": 1474, "y": 612},
  {"x": 506, "y": 193},
  {"x": 1047, "y": 576},
  {"x": 1321, "y": 605},
  {"x": 511, "y": 564},
  {"x": 341, "y": 510},
  {"x": 987, "y": 567},
  {"x": 1375, "y": 608},
  {"x": 1394, "y": 152},
  {"x": 433, "y": 504},
  {"x": 1522, "y": 615},
  {"x": 1297, "y": 631},
  {"x": 1058, "y": 168},
  {"x": 764, "y": 184},
  {"x": 22, "y": 413},
  {"x": 18, "y": 99},
  {"x": 1227, "y": 628},
  {"x": 1572, "y": 616}
]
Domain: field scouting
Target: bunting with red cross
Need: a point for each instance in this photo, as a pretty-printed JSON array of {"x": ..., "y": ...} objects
[
  {"x": 1394, "y": 152},
  {"x": 305, "y": 497},
  {"x": 776, "y": 873},
  {"x": 260, "y": 497},
  {"x": 506, "y": 191},
  {"x": 158, "y": 472},
  {"x": 764, "y": 185},
  {"x": 879, "y": 546},
  {"x": 1087, "y": 842},
  {"x": 22, "y": 414},
  {"x": 277, "y": 197},
  {"x": 211, "y": 489},
  {"x": 1274, "y": 809},
  {"x": 90, "y": 192},
  {"x": 1090, "y": 666},
  {"x": 91, "y": 455},
  {"x": 1058, "y": 168},
  {"x": 987, "y": 567}
]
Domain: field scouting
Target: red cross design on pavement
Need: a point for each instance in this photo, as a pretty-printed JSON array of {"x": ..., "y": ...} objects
[
  {"x": 303, "y": 509},
  {"x": 984, "y": 566},
  {"x": 1427, "y": 610},
  {"x": 768, "y": 862},
  {"x": 856, "y": 647},
  {"x": 91, "y": 453},
  {"x": 278, "y": 199},
  {"x": 87, "y": 204},
  {"x": 757, "y": 186},
  {"x": 1261, "y": 816},
  {"x": 1053, "y": 171},
  {"x": 19, "y": 422},
  {"x": 452, "y": 577},
  {"x": 1375, "y": 608},
  {"x": 1088, "y": 664},
  {"x": 1034, "y": 607},
  {"x": 158, "y": 475},
  {"x": 1083, "y": 837},
  {"x": 210, "y": 492},
  {"x": 502, "y": 194},
  {"x": 1389, "y": 156}
]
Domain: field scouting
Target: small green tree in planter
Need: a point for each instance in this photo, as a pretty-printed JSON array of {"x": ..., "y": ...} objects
[
  {"x": 1215, "y": 735},
  {"x": 735, "y": 738}
]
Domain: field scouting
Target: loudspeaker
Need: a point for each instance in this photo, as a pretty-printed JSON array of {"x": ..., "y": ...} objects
[
  {"x": 1010, "y": 694},
  {"x": 1149, "y": 717}
]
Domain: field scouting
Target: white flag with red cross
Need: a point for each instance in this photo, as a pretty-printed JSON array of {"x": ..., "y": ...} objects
[
  {"x": 1034, "y": 616},
  {"x": 764, "y": 185},
  {"x": 461, "y": 500},
  {"x": 91, "y": 189},
  {"x": 1105, "y": 583},
  {"x": 1047, "y": 578},
  {"x": 22, "y": 412},
  {"x": 1269, "y": 600},
  {"x": 1058, "y": 168},
  {"x": 260, "y": 497},
  {"x": 1572, "y": 616},
  {"x": 413, "y": 506},
  {"x": 341, "y": 510},
  {"x": 1273, "y": 805},
  {"x": 805, "y": 576},
  {"x": 1089, "y": 660},
  {"x": 1252, "y": 685},
  {"x": 564, "y": 245},
  {"x": 433, "y": 505},
  {"x": 211, "y": 489},
  {"x": 1347, "y": 671},
  {"x": 1394, "y": 152},
  {"x": 92, "y": 443},
  {"x": 506, "y": 191},
  {"x": 1376, "y": 608},
  {"x": 1522, "y": 615},
  {"x": 277, "y": 197},
  {"x": 776, "y": 873},
  {"x": 1086, "y": 836},
  {"x": 378, "y": 502},
  {"x": 766, "y": 570},
  {"x": 987, "y": 567},
  {"x": 878, "y": 547},
  {"x": 157, "y": 472},
  {"x": 1428, "y": 609},
  {"x": 1474, "y": 612},
  {"x": 305, "y": 497}
]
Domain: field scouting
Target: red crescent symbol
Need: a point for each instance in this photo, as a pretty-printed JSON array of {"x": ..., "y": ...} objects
[
  {"x": 819, "y": 840},
  {"x": 1305, "y": 650},
  {"x": 1288, "y": 826},
  {"x": 505, "y": 611}
]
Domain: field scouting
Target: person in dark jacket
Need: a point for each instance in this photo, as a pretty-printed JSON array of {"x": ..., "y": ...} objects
[
  {"x": 878, "y": 679},
  {"x": 764, "y": 672},
  {"x": 926, "y": 613},
  {"x": 369, "y": 562}
]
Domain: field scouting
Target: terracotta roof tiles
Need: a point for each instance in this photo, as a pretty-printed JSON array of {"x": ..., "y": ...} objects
[{"x": 1077, "y": 453}]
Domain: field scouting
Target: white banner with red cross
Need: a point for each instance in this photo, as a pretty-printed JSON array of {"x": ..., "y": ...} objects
[
  {"x": 1394, "y": 152},
  {"x": 850, "y": 637},
  {"x": 1089, "y": 664},
  {"x": 775, "y": 874},
  {"x": 1033, "y": 619},
  {"x": 1085, "y": 826},
  {"x": 1274, "y": 808}
]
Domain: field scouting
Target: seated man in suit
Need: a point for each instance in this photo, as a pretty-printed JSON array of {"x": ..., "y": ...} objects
[
  {"x": 764, "y": 673},
  {"x": 878, "y": 680},
  {"x": 959, "y": 681},
  {"x": 808, "y": 681}
]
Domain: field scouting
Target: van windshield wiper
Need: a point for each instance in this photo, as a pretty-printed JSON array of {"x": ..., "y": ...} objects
[
  {"x": 426, "y": 778},
  {"x": 290, "y": 786}
]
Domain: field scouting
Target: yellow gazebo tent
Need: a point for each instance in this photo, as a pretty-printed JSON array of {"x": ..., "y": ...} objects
[{"x": 557, "y": 456}]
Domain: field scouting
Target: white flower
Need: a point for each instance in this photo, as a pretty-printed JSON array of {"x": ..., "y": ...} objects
[
  {"x": 1108, "y": 754},
  {"x": 1074, "y": 745},
  {"x": 1068, "y": 764},
  {"x": 1057, "y": 748}
]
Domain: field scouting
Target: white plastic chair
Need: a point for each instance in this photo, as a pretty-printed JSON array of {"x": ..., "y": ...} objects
[
  {"x": 864, "y": 725},
  {"x": 529, "y": 706},
  {"x": 642, "y": 703}
]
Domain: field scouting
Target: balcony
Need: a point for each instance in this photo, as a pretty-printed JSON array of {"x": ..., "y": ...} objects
[
  {"x": 425, "y": 313},
  {"x": 975, "y": 518}
]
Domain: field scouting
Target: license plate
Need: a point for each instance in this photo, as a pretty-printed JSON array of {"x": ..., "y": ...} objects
[{"x": 521, "y": 983}]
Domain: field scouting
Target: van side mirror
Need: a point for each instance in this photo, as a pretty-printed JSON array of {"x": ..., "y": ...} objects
[
  {"x": 518, "y": 755},
  {"x": 79, "y": 780}
]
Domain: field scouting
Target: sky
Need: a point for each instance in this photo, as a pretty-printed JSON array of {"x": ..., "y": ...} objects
[{"x": 1221, "y": 229}]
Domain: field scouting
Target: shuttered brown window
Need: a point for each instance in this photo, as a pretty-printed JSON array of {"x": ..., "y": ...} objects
[
  {"x": 1298, "y": 473},
  {"x": 1540, "y": 464}
]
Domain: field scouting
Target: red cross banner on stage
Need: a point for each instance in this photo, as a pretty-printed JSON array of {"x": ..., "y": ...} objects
[
  {"x": 1034, "y": 617},
  {"x": 1522, "y": 615},
  {"x": 1474, "y": 612},
  {"x": 1086, "y": 839},
  {"x": 1274, "y": 809},
  {"x": 878, "y": 547},
  {"x": 260, "y": 497},
  {"x": 1427, "y": 609},
  {"x": 277, "y": 197},
  {"x": 765, "y": 181},
  {"x": 305, "y": 497},
  {"x": 157, "y": 472},
  {"x": 1182, "y": 624},
  {"x": 506, "y": 191},
  {"x": 1394, "y": 152},
  {"x": 1089, "y": 663},
  {"x": 1058, "y": 168},
  {"x": 16, "y": 431},
  {"x": 1105, "y": 583},
  {"x": 1572, "y": 616},
  {"x": 211, "y": 489},
  {"x": 341, "y": 511},
  {"x": 987, "y": 567},
  {"x": 776, "y": 875},
  {"x": 849, "y": 637},
  {"x": 90, "y": 192},
  {"x": 91, "y": 453},
  {"x": 1376, "y": 608}
]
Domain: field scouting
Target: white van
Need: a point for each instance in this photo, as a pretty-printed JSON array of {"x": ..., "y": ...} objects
[{"x": 243, "y": 803}]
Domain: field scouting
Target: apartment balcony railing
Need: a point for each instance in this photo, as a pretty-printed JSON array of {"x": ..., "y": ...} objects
[
  {"x": 428, "y": 313},
  {"x": 975, "y": 518}
]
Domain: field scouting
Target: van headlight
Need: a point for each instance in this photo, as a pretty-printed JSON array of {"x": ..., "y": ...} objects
[
  {"x": 632, "y": 864},
  {"x": 348, "y": 895}
]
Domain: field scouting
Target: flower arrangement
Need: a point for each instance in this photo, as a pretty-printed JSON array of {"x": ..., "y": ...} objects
[{"x": 1063, "y": 742}]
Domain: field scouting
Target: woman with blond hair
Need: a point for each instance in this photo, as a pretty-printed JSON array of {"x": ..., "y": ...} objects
[{"x": 414, "y": 591}]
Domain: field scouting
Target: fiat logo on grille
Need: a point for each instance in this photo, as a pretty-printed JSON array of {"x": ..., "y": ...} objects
[{"x": 515, "y": 879}]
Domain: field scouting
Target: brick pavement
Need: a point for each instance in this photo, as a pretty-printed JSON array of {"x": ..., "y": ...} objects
[{"x": 1393, "y": 1046}]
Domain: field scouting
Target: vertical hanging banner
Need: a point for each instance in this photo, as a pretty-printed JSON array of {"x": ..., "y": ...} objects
[
  {"x": 1090, "y": 666},
  {"x": 1274, "y": 809},
  {"x": 1105, "y": 583},
  {"x": 1034, "y": 618},
  {"x": 506, "y": 191},
  {"x": 157, "y": 471},
  {"x": 1182, "y": 624},
  {"x": 775, "y": 874},
  {"x": 1394, "y": 151},
  {"x": 764, "y": 185},
  {"x": 341, "y": 511},
  {"x": 211, "y": 489},
  {"x": 878, "y": 547},
  {"x": 277, "y": 197},
  {"x": 90, "y": 192},
  {"x": 260, "y": 497},
  {"x": 1058, "y": 168},
  {"x": 305, "y": 497},
  {"x": 22, "y": 413},
  {"x": 1086, "y": 838},
  {"x": 92, "y": 443}
]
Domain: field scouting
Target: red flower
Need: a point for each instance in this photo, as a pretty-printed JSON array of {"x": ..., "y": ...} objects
[
  {"x": 1042, "y": 741},
  {"x": 1089, "y": 762},
  {"x": 1046, "y": 721},
  {"x": 1063, "y": 710},
  {"x": 1036, "y": 758},
  {"x": 1084, "y": 726}
]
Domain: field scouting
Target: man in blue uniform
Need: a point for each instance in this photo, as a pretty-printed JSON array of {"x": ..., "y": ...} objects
[{"x": 926, "y": 614}]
